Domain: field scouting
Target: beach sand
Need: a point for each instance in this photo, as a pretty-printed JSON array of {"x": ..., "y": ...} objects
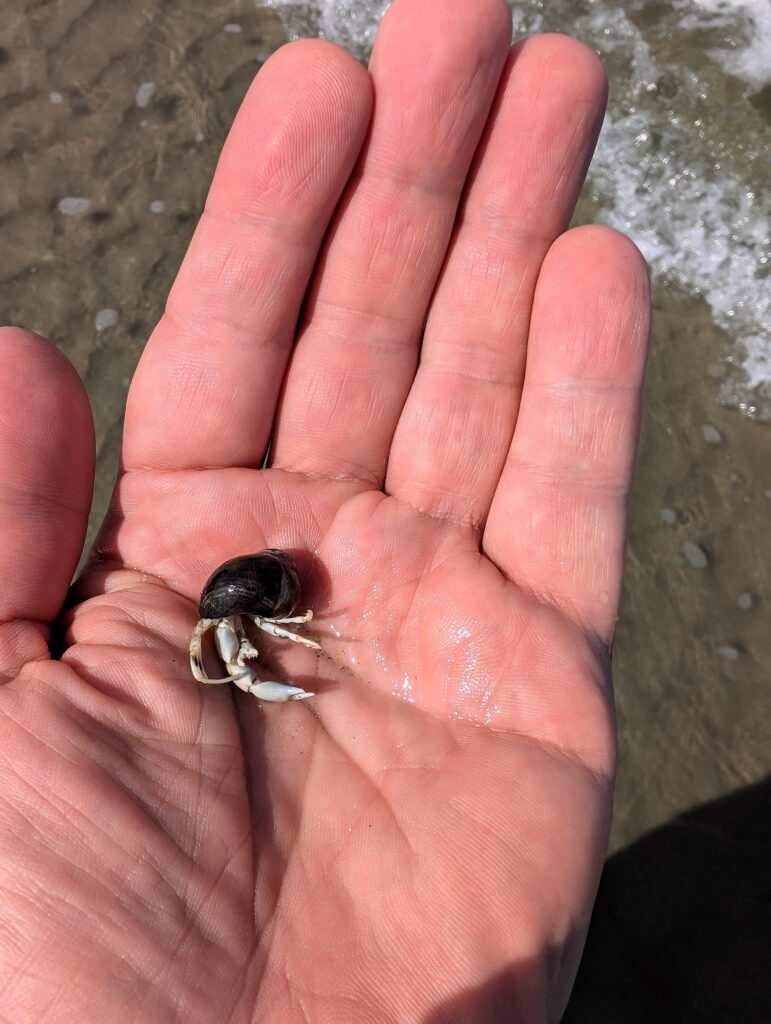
[{"x": 126, "y": 106}]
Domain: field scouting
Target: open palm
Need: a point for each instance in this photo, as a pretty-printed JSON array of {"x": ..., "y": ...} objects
[{"x": 422, "y": 840}]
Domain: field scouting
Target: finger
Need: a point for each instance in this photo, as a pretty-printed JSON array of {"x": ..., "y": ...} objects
[
  {"x": 556, "y": 525},
  {"x": 46, "y": 481},
  {"x": 355, "y": 361},
  {"x": 452, "y": 438},
  {"x": 205, "y": 390}
]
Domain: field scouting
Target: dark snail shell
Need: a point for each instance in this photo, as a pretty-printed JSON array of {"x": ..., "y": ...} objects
[{"x": 264, "y": 584}]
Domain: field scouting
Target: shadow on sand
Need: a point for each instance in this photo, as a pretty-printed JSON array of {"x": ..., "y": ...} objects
[{"x": 681, "y": 930}]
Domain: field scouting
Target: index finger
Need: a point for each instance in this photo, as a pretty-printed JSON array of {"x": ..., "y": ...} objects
[{"x": 205, "y": 390}]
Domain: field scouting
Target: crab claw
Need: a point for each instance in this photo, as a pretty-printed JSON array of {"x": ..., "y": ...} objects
[{"x": 278, "y": 692}]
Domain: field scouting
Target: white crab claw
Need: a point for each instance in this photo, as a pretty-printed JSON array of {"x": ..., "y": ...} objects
[{"x": 278, "y": 692}]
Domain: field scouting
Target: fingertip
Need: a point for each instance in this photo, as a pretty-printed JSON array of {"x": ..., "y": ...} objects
[
  {"x": 571, "y": 58},
  {"x": 51, "y": 410},
  {"x": 605, "y": 241},
  {"x": 310, "y": 54},
  {"x": 306, "y": 112},
  {"x": 327, "y": 71},
  {"x": 420, "y": 35},
  {"x": 598, "y": 255},
  {"x": 28, "y": 356},
  {"x": 597, "y": 276},
  {"x": 27, "y": 352}
]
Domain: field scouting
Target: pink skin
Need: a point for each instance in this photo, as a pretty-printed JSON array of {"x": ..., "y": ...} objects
[{"x": 421, "y": 842}]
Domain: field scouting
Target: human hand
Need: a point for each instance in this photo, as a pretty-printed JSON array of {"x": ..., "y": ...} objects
[{"x": 422, "y": 841}]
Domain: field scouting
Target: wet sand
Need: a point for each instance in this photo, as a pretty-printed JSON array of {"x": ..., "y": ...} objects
[{"x": 693, "y": 650}]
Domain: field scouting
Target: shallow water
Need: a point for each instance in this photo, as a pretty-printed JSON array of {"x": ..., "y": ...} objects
[{"x": 111, "y": 118}]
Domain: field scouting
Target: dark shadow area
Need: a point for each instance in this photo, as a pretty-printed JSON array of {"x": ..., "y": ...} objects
[{"x": 681, "y": 930}]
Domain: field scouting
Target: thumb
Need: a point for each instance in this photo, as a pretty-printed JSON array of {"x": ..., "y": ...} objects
[{"x": 46, "y": 482}]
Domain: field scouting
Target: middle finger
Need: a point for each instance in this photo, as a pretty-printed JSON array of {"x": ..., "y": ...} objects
[{"x": 435, "y": 79}]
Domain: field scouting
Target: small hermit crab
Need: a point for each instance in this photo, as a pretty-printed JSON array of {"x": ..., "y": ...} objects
[{"x": 264, "y": 588}]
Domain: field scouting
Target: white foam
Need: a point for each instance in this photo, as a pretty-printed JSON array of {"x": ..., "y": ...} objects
[
  {"x": 698, "y": 223},
  {"x": 705, "y": 232},
  {"x": 747, "y": 26},
  {"x": 351, "y": 23}
]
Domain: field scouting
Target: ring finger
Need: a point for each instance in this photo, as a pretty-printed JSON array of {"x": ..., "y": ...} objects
[{"x": 452, "y": 438}]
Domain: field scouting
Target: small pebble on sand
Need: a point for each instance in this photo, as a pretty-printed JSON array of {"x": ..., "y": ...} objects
[
  {"x": 199, "y": 136},
  {"x": 55, "y": 97},
  {"x": 262, "y": 56},
  {"x": 668, "y": 515},
  {"x": 695, "y": 555},
  {"x": 744, "y": 600},
  {"x": 72, "y": 206},
  {"x": 729, "y": 652},
  {"x": 233, "y": 26},
  {"x": 144, "y": 94},
  {"x": 105, "y": 318},
  {"x": 157, "y": 206},
  {"x": 711, "y": 434}
]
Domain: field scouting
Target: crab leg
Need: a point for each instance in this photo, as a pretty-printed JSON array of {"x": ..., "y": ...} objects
[
  {"x": 245, "y": 647},
  {"x": 233, "y": 647},
  {"x": 270, "y": 626},
  {"x": 268, "y": 689},
  {"x": 292, "y": 619},
  {"x": 196, "y": 663}
]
